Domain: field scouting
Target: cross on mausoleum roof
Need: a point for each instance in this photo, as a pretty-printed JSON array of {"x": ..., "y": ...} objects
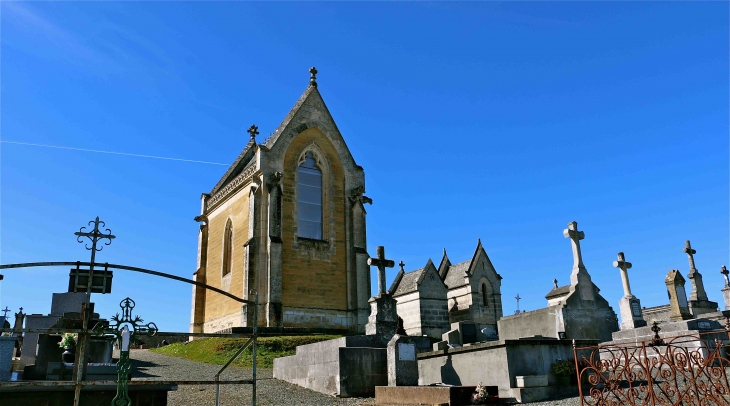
[
  {"x": 724, "y": 273},
  {"x": 253, "y": 131},
  {"x": 575, "y": 237},
  {"x": 402, "y": 265},
  {"x": 5, "y": 312},
  {"x": 381, "y": 263},
  {"x": 313, "y": 78}
]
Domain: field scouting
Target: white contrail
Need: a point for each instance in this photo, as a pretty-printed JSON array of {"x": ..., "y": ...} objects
[{"x": 115, "y": 153}]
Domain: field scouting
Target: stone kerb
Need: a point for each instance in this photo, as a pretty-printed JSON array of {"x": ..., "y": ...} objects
[{"x": 402, "y": 361}]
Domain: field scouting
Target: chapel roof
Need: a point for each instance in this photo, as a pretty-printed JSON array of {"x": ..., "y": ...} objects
[
  {"x": 558, "y": 292},
  {"x": 408, "y": 283},
  {"x": 457, "y": 274}
]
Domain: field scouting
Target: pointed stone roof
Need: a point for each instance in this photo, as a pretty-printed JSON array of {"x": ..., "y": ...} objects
[
  {"x": 458, "y": 275},
  {"x": 238, "y": 165},
  {"x": 408, "y": 282},
  {"x": 444, "y": 265}
]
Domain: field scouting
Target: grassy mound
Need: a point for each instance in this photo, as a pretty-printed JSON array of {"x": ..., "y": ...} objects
[{"x": 220, "y": 350}]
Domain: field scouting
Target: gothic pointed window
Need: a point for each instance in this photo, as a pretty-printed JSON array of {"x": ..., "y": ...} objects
[
  {"x": 309, "y": 198},
  {"x": 485, "y": 299},
  {"x": 227, "y": 247}
]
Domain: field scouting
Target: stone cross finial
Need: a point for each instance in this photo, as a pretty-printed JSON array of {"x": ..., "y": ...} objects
[
  {"x": 381, "y": 263},
  {"x": 401, "y": 265},
  {"x": 690, "y": 252},
  {"x": 518, "y": 303},
  {"x": 724, "y": 273},
  {"x": 313, "y": 78},
  {"x": 575, "y": 237},
  {"x": 624, "y": 266},
  {"x": 5, "y": 311},
  {"x": 253, "y": 131}
]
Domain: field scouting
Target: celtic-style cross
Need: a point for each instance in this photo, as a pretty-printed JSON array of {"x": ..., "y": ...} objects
[
  {"x": 124, "y": 328},
  {"x": 95, "y": 236},
  {"x": 313, "y": 78},
  {"x": 381, "y": 263},
  {"x": 623, "y": 266},
  {"x": 253, "y": 131},
  {"x": 575, "y": 237},
  {"x": 690, "y": 252},
  {"x": 724, "y": 273}
]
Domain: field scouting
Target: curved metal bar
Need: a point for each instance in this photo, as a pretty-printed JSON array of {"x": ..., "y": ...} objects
[{"x": 129, "y": 268}]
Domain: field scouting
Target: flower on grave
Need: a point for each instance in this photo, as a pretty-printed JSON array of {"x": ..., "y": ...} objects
[
  {"x": 68, "y": 340},
  {"x": 480, "y": 395}
]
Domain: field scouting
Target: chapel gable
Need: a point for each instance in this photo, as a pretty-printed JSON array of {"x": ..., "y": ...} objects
[{"x": 421, "y": 301}]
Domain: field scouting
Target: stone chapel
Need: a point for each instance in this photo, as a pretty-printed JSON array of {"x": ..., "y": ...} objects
[{"x": 287, "y": 219}]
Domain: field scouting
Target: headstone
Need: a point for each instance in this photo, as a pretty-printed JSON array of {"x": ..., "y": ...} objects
[
  {"x": 7, "y": 348},
  {"x": 68, "y": 302},
  {"x": 629, "y": 305},
  {"x": 402, "y": 361},
  {"x": 678, "y": 305},
  {"x": 383, "y": 319},
  {"x": 726, "y": 289}
]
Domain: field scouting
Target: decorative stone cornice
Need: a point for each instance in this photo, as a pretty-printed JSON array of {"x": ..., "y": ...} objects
[{"x": 239, "y": 181}]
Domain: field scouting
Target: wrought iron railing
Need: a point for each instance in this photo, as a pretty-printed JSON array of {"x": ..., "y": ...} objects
[{"x": 687, "y": 369}]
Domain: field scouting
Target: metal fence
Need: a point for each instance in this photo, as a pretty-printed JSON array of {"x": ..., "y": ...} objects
[{"x": 689, "y": 369}]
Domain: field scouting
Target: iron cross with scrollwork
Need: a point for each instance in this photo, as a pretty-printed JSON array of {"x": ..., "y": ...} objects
[
  {"x": 95, "y": 236},
  {"x": 117, "y": 330}
]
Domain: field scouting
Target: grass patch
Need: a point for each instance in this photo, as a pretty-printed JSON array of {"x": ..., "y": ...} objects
[{"x": 219, "y": 350}]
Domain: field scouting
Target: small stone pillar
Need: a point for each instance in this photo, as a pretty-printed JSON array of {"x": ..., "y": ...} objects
[
  {"x": 726, "y": 289},
  {"x": 678, "y": 305},
  {"x": 402, "y": 361}
]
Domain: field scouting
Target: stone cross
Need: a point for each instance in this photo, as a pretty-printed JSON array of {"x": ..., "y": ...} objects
[
  {"x": 690, "y": 252},
  {"x": 518, "y": 303},
  {"x": 624, "y": 266},
  {"x": 724, "y": 273},
  {"x": 401, "y": 265},
  {"x": 381, "y": 263},
  {"x": 313, "y": 78},
  {"x": 253, "y": 131},
  {"x": 5, "y": 311},
  {"x": 575, "y": 237}
]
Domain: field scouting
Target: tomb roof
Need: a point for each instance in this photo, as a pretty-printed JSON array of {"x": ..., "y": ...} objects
[
  {"x": 408, "y": 283},
  {"x": 457, "y": 274},
  {"x": 558, "y": 292}
]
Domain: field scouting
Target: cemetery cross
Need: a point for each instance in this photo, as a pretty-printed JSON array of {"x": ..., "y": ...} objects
[
  {"x": 575, "y": 237},
  {"x": 381, "y": 263},
  {"x": 5, "y": 312},
  {"x": 624, "y": 266},
  {"x": 724, "y": 273},
  {"x": 95, "y": 236},
  {"x": 690, "y": 252},
  {"x": 253, "y": 131}
]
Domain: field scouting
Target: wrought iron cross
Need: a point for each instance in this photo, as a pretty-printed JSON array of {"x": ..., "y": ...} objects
[
  {"x": 95, "y": 236},
  {"x": 253, "y": 131},
  {"x": 575, "y": 237},
  {"x": 518, "y": 303},
  {"x": 690, "y": 252},
  {"x": 313, "y": 78},
  {"x": 5, "y": 311},
  {"x": 724, "y": 273},
  {"x": 401, "y": 265},
  {"x": 120, "y": 329},
  {"x": 381, "y": 263}
]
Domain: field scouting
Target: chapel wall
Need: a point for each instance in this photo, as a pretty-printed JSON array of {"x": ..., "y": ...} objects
[
  {"x": 409, "y": 310},
  {"x": 314, "y": 272},
  {"x": 220, "y": 311},
  {"x": 434, "y": 317}
]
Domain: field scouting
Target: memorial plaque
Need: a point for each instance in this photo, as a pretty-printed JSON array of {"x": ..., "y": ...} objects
[
  {"x": 635, "y": 309},
  {"x": 406, "y": 352},
  {"x": 681, "y": 296},
  {"x": 469, "y": 333},
  {"x": 704, "y": 325}
]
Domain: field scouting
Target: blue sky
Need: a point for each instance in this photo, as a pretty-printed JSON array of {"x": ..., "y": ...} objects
[{"x": 499, "y": 121}]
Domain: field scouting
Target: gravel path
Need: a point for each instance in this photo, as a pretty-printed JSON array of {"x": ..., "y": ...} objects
[{"x": 150, "y": 365}]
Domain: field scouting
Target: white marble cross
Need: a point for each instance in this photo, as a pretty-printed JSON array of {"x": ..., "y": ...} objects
[
  {"x": 624, "y": 266},
  {"x": 575, "y": 237}
]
